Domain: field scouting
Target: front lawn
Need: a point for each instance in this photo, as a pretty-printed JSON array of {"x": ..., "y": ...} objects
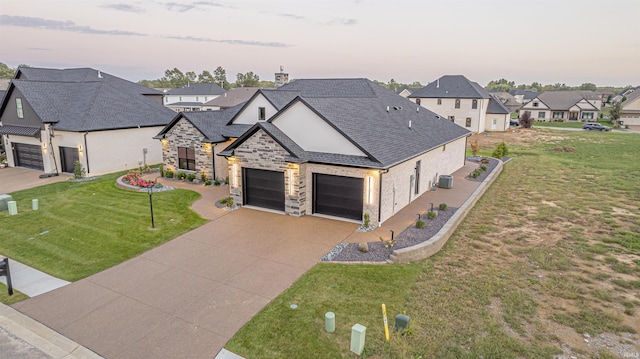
[
  {"x": 82, "y": 228},
  {"x": 549, "y": 256},
  {"x": 572, "y": 124}
]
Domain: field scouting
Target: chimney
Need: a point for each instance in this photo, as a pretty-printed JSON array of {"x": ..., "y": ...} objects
[
  {"x": 281, "y": 77},
  {"x": 99, "y": 74}
]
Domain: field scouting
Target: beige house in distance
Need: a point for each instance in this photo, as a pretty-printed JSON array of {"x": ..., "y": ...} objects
[
  {"x": 564, "y": 106},
  {"x": 630, "y": 113}
]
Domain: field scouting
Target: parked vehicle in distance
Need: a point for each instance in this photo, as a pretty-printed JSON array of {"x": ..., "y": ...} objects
[
  {"x": 595, "y": 126},
  {"x": 514, "y": 122}
]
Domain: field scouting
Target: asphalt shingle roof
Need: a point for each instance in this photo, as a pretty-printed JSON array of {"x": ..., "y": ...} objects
[
  {"x": 198, "y": 89},
  {"x": 562, "y": 100},
  {"x": 357, "y": 108},
  {"x": 79, "y": 100},
  {"x": 497, "y": 107},
  {"x": 451, "y": 86},
  {"x": 233, "y": 97},
  {"x": 27, "y": 131}
]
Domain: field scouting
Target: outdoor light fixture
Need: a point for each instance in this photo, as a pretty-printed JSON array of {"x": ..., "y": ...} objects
[
  {"x": 234, "y": 175},
  {"x": 79, "y": 148},
  {"x": 369, "y": 189},
  {"x": 290, "y": 174}
]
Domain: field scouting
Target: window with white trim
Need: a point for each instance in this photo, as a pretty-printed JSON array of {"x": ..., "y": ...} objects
[
  {"x": 19, "y": 107},
  {"x": 558, "y": 114},
  {"x": 587, "y": 115},
  {"x": 542, "y": 114},
  {"x": 474, "y": 104},
  {"x": 262, "y": 113},
  {"x": 457, "y": 103}
]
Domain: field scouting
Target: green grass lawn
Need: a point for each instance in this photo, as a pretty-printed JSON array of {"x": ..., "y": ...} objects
[
  {"x": 82, "y": 228},
  {"x": 551, "y": 251},
  {"x": 7, "y": 299},
  {"x": 572, "y": 124}
]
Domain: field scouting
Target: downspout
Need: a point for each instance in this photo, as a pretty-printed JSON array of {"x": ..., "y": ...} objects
[
  {"x": 213, "y": 161},
  {"x": 53, "y": 153},
  {"x": 86, "y": 151}
]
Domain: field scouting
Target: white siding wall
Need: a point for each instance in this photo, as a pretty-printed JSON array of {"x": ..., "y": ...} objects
[
  {"x": 169, "y": 99},
  {"x": 397, "y": 191},
  {"x": 312, "y": 133},
  {"x": 501, "y": 119},
  {"x": 447, "y": 108},
  {"x": 112, "y": 151},
  {"x": 249, "y": 115}
]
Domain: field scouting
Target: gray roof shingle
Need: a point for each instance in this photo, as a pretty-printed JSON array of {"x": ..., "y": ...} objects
[
  {"x": 451, "y": 86},
  {"x": 562, "y": 100},
  {"x": 79, "y": 100},
  {"x": 497, "y": 107},
  {"x": 233, "y": 97},
  {"x": 357, "y": 108}
]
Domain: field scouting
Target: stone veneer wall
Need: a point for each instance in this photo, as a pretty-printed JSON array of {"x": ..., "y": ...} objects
[
  {"x": 260, "y": 151},
  {"x": 184, "y": 134}
]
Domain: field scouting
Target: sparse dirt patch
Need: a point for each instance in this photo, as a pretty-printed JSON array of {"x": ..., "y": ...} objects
[{"x": 564, "y": 149}]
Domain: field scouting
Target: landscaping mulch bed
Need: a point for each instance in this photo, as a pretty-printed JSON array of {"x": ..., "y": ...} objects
[{"x": 349, "y": 252}]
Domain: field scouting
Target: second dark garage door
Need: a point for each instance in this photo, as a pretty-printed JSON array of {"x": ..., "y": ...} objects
[
  {"x": 338, "y": 196},
  {"x": 264, "y": 188}
]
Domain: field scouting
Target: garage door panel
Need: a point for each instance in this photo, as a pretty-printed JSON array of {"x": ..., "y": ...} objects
[
  {"x": 264, "y": 188},
  {"x": 338, "y": 196},
  {"x": 29, "y": 156}
]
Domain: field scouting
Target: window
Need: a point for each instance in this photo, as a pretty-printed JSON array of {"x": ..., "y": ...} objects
[
  {"x": 452, "y": 118},
  {"x": 417, "y": 101},
  {"x": 261, "y": 114},
  {"x": 535, "y": 104},
  {"x": 444, "y": 148},
  {"x": 558, "y": 114},
  {"x": 587, "y": 115},
  {"x": 206, "y": 99},
  {"x": 166, "y": 99},
  {"x": 467, "y": 123},
  {"x": 542, "y": 114},
  {"x": 19, "y": 107},
  {"x": 180, "y": 99},
  {"x": 197, "y": 98},
  {"x": 187, "y": 158},
  {"x": 457, "y": 103},
  {"x": 439, "y": 101},
  {"x": 474, "y": 104}
]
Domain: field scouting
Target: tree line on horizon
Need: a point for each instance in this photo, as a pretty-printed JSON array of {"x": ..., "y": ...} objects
[{"x": 175, "y": 78}]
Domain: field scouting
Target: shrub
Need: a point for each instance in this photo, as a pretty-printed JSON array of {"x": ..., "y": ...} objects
[
  {"x": 182, "y": 176},
  {"x": 432, "y": 214},
  {"x": 207, "y": 183},
  {"x": 161, "y": 171},
  {"x": 442, "y": 206},
  {"x": 484, "y": 160},
  {"x": 216, "y": 182},
  {"x": 228, "y": 201},
  {"x": 483, "y": 167},
  {"x": 525, "y": 119},
  {"x": 500, "y": 151},
  {"x": 191, "y": 177},
  {"x": 420, "y": 224},
  {"x": 203, "y": 177},
  {"x": 168, "y": 174},
  {"x": 367, "y": 220},
  {"x": 475, "y": 147},
  {"x": 78, "y": 170}
]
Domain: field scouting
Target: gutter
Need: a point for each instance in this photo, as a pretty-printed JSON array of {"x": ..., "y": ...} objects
[{"x": 86, "y": 151}]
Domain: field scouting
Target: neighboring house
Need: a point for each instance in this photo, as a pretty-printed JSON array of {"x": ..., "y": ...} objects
[
  {"x": 605, "y": 95},
  {"x": 404, "y": 92},
  {"x": 623, "y": 94},
  {"x": 630, "y": 112},
  {"x": 231, "y": 98},
  {"x": 192, "y": 96},
  {"x": 507, "y": 100},
  {"x": 342, "y": 148},
  {"x": 463, "y": 102},
  {"x": 524, "y": 96},
  {"x": 563, "y": 106},
  {"x": 50, "y": 118}
]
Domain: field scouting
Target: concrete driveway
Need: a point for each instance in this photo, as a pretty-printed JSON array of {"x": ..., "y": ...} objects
[
  {"x": 14, "y": 179},
  {"x": 186, "y": 298}
]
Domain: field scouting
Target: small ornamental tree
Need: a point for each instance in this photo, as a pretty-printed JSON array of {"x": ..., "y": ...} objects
[
  {"x": 500, "y": 151},
  {"x": 525, "y": 120},
  {"x": 475, "y": 147},
  {"x": 78, "y": 170}
]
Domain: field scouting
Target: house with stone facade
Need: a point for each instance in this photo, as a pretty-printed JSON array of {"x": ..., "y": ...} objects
[
  {"x": 463, "y": 102},
  {"x": 50, "y": 118},
  {"x": 341, "y": 148}
]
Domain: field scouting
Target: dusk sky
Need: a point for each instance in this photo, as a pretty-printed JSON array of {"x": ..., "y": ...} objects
[{"x": 548, "y": 41}]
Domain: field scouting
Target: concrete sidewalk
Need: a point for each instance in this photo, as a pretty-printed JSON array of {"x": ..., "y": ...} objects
[{"x": 30, "y": 281}]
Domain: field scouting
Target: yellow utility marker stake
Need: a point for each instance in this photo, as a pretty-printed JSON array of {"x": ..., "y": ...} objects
[{"x": 386, "y": 324}]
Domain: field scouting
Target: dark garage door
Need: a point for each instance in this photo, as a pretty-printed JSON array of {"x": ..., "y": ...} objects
[
  {"x": 29, "y": 156},
  {"x": 264, "y": 188},
  {"x": 338, "y": 196}
]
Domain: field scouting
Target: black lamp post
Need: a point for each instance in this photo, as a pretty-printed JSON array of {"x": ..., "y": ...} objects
[{"x": 150, "y": 191}]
